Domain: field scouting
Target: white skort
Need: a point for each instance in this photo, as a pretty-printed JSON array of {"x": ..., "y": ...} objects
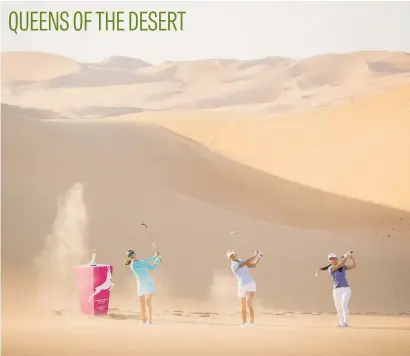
[{"x": 244, "y": 289}]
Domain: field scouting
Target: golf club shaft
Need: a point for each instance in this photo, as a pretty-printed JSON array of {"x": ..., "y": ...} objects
[
  {"x": 244, "y": 240},
  {"x": 326, "y": 267},
  {"x": 153, "y": 242},
  {"x": 155, "y": 247},
  {"x": 253, "y": 247}
]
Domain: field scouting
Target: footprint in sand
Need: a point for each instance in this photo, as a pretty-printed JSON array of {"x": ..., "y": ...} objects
[
  {"x": 116, "y": 316},
  {"x": 204, "y": 314}
]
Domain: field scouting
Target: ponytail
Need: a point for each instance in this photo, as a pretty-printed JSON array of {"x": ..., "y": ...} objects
[
  {"x": 325, "y": 268},
  {"x": 128, "y": 260},
  {"x": 340, "y": 269}
]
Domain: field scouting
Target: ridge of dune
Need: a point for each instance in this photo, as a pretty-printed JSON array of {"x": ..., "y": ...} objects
[
  {"x": 122, "y": 63},
  {"x": 16, "y": 112},
  {"x": 164, "y": 145},
  {"x": 222, "y": 70},
  {"x": 385, "y": 61},
  {"x": 369, "y": 135},
  {"x": 329, "y": 69},
  {"x": 19, "y": 67}
]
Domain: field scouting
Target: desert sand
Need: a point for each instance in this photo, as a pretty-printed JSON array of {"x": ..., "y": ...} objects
[
  {"x": 119, "y": 333},
  {"x": 316, "y": 162}
]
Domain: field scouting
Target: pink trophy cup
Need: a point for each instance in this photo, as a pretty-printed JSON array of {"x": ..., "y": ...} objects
[{"x": 94, "y": 284}]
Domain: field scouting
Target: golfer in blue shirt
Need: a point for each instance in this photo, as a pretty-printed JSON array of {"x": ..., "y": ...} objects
[{"x": 146, "y": 286}]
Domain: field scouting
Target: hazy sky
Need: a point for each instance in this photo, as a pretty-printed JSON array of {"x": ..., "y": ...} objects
[{"x": 226, "y": 30}]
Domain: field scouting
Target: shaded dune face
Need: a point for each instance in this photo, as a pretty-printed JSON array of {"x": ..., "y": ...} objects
[
  {"x": 192, "y": 198},
  {"x": 357, "y": 150}
]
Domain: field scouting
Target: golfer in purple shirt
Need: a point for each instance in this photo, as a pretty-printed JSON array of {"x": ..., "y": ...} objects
[{"x": 341, "y": 288}]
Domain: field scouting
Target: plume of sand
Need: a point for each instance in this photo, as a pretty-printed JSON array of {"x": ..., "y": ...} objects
[
  {"x": 223, "y": 292},
  {"x": 223, "y": 295},
  {"x": 64, "y": 249}
]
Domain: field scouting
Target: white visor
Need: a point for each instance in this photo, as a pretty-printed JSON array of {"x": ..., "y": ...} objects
[
  {"x": 230, "y": 253},
  {"x": 331, "y": 255}
]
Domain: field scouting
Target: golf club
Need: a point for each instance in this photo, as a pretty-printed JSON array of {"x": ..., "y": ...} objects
[
  {"x": 326, "y": 267},
  {"x": 153, "y": 242},
  {"x": 244, "y": 240}
]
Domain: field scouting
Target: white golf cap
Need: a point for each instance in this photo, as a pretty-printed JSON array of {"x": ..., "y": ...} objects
[
  {"x": 331, "y": 255},
  {"x": 230, "y": 253}
]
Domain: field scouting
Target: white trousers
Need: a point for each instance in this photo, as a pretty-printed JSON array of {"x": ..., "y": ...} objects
[{"x": 341, "y": 296}]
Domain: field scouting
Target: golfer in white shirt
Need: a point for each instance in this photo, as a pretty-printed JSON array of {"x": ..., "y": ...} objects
[{"x": 246, "y": 284}]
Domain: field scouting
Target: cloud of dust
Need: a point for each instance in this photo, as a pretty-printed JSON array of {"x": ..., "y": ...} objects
[
  {"x": 129, "y": 299},
  {"x": 64, "y": 249},
  {"x": 223, "y": 292}
]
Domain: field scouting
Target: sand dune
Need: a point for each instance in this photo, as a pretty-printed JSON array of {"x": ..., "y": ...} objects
[
  {"x": 267, "y": 86},
  {"x": 334, "y": 69},
  {"x": 358, "y": 150},
  {"x": 121, "y": 63},
  {"x": 19, "y": 68},
  {"x": 17, "y": 112},
  {"x": 386, "y": 62}
]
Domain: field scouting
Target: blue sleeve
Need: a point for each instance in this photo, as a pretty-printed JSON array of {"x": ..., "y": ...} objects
[
  {"x": 330, "y": 269},
  {"x": 149, "y": 259},
  {"x": 154, "y": 265}
]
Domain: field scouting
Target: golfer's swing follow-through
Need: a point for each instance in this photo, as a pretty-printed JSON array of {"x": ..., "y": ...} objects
[
  {"x": 341, "y": 290},
  {"x": 246, "y": 284}
]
